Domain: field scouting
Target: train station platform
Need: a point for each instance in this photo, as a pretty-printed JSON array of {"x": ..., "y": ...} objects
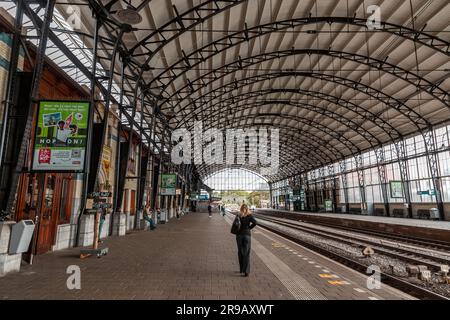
[
  {"x": 417, "y": 228},
  {"x": 193, "y": 258}
]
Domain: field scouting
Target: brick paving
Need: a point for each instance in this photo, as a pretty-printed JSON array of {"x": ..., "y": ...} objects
[{"x": 191, "y": 258}]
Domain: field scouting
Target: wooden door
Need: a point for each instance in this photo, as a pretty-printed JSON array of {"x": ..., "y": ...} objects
[
  {"x": 49, "y": 211},
  {"x": 29, "y": 195},
  {"x": 125, "y": 201},
  {"x": 133, "y": 202}
]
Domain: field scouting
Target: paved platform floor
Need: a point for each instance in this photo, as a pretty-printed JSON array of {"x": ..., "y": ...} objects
[{"x": 192, "y": 258}]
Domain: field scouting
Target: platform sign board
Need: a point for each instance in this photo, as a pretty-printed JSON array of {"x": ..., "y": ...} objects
[
  {"x": 396, "y": 189},
  {"x": 328, "y": 205},
  {"x": 427, "y": 193},
  {"x": 194, "y": 195},
  {"x": 168, "y": 184},
  {"x": 61, "y": 136}
]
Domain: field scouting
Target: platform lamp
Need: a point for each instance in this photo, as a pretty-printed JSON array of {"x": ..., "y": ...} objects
[{"x": 129, "y": 15}]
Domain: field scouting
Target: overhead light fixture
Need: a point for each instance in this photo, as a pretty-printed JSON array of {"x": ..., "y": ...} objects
[{"x": 129, "y": 16}]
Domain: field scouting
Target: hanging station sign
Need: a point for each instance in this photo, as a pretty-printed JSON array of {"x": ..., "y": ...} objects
[
  {"x": 61, "y": 136},
  {"x": 396, "y": 189},
  {"x": 97, "y": 200},
  {"x": 168, "y": 184}
]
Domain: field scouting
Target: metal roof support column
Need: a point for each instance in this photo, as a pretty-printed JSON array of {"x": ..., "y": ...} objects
[
  {"x": 108, "y": 98},
  {"x": 314, "y": 193},
  {"x": 124, "y": 158},
  {"x": 332, "y": 175},
  {"x": 322, "y": 184},
  {"x": 183, "y": 185},
  {"x": 148, "y": 177},
  {"x": 141, "y": 175},
  {"x": 301, "y": 195},
  {"x": 89, "y": 144},
  {"x": 433, "y": 163},
  {"x": 361, "y": 183},
  {"x": 404, "y": 175},
  {"x": 171, "y": 169},
  {"x": 34, "y": 96},
  {"x": 155, "y": 181},
  {"x": 161, "y": 156},
  {"x": 381, "y": 158},
  {"x": 343, "y": 168},
  {"x": 151, "y": 158},
  {"x": 271, "y": 195},
  {"x": 116, "y": 196},
  {"x": 307, "y": 193},
  {"x": 9, "y": 100}
]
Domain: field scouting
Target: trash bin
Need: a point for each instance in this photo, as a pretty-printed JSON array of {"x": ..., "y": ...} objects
[
  {"x": 162, "y": 217},
  {"x": 434, "y": 214},
  {"x": 21, "y": 235}
]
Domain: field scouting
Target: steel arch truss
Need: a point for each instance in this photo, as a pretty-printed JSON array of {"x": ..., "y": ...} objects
[
  {"x": 194, "y": 86},
  {"x": 303, "y": 150},
  {"x": 194, "y": 58},
  {"x": 393, "y": 103},
  {"x": 364, "y": 113}
]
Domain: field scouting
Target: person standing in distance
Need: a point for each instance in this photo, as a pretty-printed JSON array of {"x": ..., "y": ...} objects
[
  {"x": 209, "y": 209},
  {"x": 243, "y": 239}
]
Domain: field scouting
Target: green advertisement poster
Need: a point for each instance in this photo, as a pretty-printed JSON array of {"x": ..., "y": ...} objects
[
  {"x": 61, "y": 136},
  {"x": 328, "y": 205},
  {"x": 168, "y": 184},
  {"x": 194, "y": 195},
  {"x": 396, "y": 189}
]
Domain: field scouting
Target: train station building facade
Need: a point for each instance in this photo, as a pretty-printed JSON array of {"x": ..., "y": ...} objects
[{"x": 115, "y": 112}]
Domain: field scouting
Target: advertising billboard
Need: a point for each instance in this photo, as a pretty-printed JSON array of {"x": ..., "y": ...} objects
[
  {"x": 61, "y": 136},
  {"x": 168, "y": 184},
  {"x": 328, "y": 205},
  {"x": 396, "y": 189}
]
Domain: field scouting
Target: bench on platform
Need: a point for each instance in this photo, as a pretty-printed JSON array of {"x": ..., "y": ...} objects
[
  {"x": 355, "y": 211},
  {"x": 398, "y": 213},
  {"x": 378, "y": 212},
  {"x": 423, "y": 214}
]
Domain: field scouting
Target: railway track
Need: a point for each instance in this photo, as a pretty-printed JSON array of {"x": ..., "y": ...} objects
[
  {"x": 430, "y": 244},
  {"x": 412, "y": 289},
  {"x": 407, "y": 252}
]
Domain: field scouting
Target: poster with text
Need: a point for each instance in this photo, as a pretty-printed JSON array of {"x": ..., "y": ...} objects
[
  {"x": 396, "y": 189},
  {"x": 168, "y": 184},
  {"x": 61, "y": 136}
]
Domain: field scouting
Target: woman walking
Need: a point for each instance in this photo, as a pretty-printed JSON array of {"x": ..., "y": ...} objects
[{"x": 243, "y": 239}]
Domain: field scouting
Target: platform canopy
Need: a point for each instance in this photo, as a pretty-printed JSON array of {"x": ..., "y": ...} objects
[{"x": 329, "y": 75}]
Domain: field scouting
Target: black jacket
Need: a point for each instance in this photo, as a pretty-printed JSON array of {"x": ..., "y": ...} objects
[{"x": 247, "y": 223}]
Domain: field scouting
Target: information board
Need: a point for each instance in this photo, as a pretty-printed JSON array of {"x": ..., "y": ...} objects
[
  {"x": 168, "y": 184},
  {"x": 61, "y": 136},
  {"x": 396, "y": 189},
  {"x": 328, "y": 205}
]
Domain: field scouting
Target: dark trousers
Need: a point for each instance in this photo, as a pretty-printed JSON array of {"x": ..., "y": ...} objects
[
  {"x": 244, "y": 246},
  {"x": 150, "y": 222}
]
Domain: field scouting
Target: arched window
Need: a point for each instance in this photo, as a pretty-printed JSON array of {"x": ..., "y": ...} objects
[{"x": 236, "y": 179}]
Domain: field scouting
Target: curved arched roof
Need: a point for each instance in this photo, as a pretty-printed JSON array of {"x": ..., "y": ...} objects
[{"x": 310, "y": 68}]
